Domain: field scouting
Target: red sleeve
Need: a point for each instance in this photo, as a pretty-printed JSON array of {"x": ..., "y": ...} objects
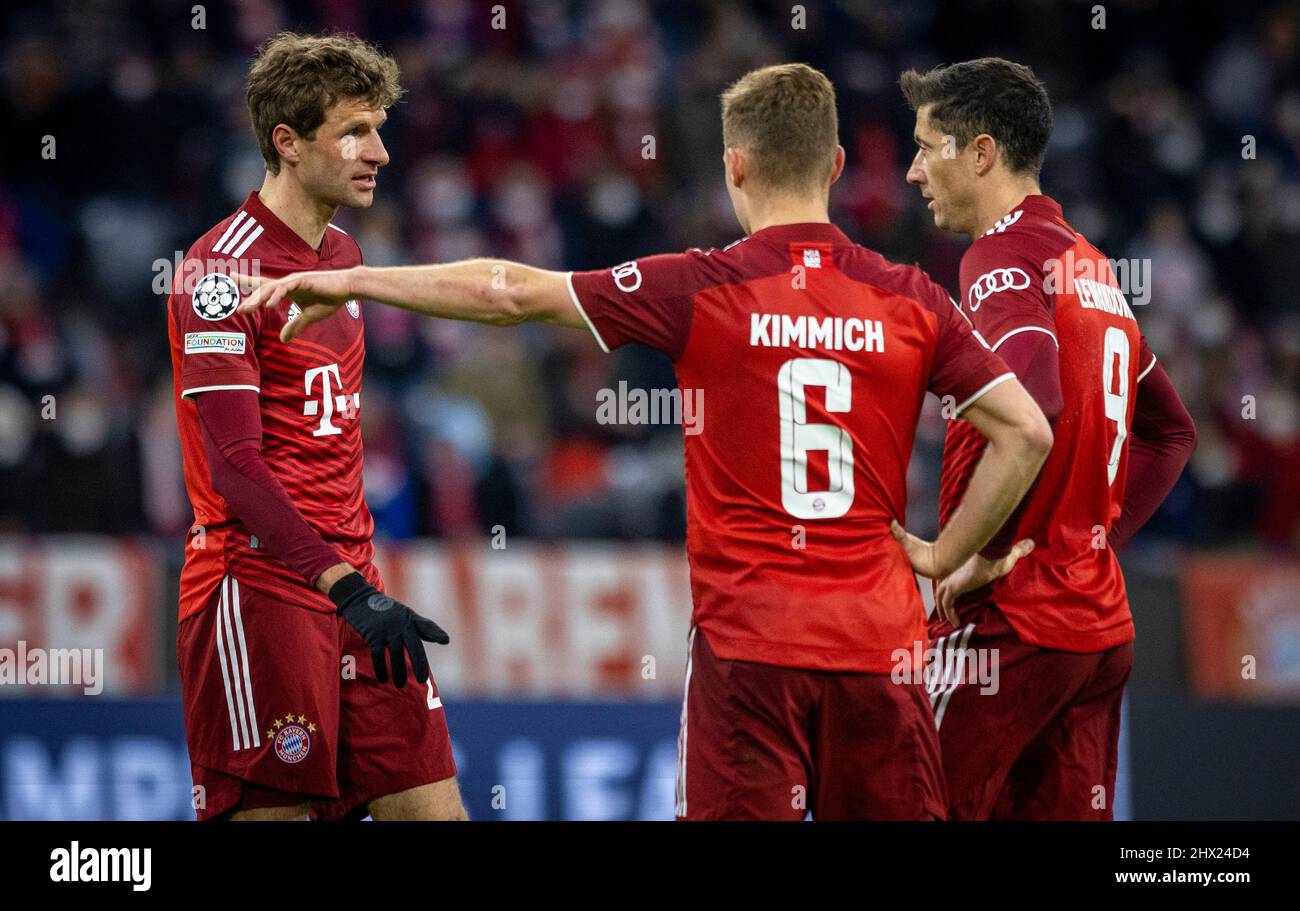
[
  {"x": 1033, "y": 358},
  {"x": 647, "y": 300},
  {"x": 1161, "y": 441},
  {"x": 217, "y": 344},
  {"x": 963, "y": 367},
  {"x": 1003, "y": 290},
  {"x": 231, "y": 424},
  {"x": 1146, "y": 358}
]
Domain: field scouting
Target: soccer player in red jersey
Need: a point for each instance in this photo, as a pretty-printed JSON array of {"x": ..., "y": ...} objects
[
  {"x": 1043, "y": 743},
  {"x": 284, "y": 630},
  {"x": 812, "y": 356}
]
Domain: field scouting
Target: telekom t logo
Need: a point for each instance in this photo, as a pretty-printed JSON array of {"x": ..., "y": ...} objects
[{"x": 329, "y": 402}]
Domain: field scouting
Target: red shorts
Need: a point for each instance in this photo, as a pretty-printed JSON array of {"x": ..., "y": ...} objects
[
  {"x": 282, "y": 707},
  {"x": 1042, "y": 740},
  {"x": 759, "y": 741}
]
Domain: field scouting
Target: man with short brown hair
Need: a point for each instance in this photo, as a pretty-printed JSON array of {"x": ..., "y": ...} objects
[
  {"x": 1044, "y": 744},
  {"x": 286, "y": 641},
  {"x": 813, "y": 356},
  {"x": 785, "y": 117}
]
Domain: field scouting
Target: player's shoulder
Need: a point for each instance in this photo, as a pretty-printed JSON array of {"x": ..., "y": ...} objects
[
  {"x": 1028, "y": 236},
  {"x": 224, "y": 246},
  {"x": 204, "y": 281},
  {"x": 866, "y": 265},
  {"x": 233, "y": 237},
  {"x": 205, "y": 244},
  {"x": 735, "y": 261},
  {"x": 685, "y": 272}
]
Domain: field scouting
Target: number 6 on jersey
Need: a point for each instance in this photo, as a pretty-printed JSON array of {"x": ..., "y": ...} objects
[{"x": 798, "y": 437}]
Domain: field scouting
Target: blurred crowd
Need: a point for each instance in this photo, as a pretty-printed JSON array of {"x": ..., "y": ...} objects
[{"x": 579, "y": 136}]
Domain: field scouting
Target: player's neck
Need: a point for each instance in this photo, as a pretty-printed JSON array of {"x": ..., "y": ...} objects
[
  {"x": 786, "y": 211},
  {"x": 288, "y": 201},
  {"x": 1001, "y": 201}
]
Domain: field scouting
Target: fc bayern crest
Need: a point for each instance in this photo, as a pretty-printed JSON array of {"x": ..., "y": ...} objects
[
  {"x": 354, "y": 308},
  {"x": 215, "y": 296},
  {"x": 292, "y": 742}
]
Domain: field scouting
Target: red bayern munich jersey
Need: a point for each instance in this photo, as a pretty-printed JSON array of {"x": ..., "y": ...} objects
[
  {"x": 309, "y": 394},
  {"x": 812, "y": 356},
  {"x": 1032, "y": 272}
]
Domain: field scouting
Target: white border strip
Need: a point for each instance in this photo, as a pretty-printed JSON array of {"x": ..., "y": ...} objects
[
  {"x": 243, "y": 648},
  {"x": 230, "y": 244},
  {"x": 934, "y": 669},
  {"x": 573, "y": 295},
  {"x": 221, "y": 660},
  {"x": 196, "y": 389},
  {"x": 239, "y": 251},
  {"x": 987, "y": 386},
  {"x": 1046, "y": 332},
  {"x": 229, "y": 230},
  {"x": 1150, "y": 367},
  {"x": 973, "y": 331},
  {"x": 956, "y": 306},
  {"x": 952, "y": 676},
  {"x": 243, "y": 229},
  {"x": 235, "y": 662},
  {"x": 681, "y": 734}
]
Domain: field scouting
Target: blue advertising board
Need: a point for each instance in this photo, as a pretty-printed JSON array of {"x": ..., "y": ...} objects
[{"x": 127, "y": 760}]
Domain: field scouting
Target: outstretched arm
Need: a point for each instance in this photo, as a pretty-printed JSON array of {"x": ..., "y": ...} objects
[{"x": 496, "y": 292}]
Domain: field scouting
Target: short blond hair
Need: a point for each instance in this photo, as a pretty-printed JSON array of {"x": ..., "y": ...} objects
[
  {"x": 297, "y": 78},
  {"x": 784, "y": 118}
]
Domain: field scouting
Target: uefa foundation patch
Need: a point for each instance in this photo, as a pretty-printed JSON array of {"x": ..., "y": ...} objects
[
  {"x": 292, "y": 738},
  {"x": 215, "y": 342}
]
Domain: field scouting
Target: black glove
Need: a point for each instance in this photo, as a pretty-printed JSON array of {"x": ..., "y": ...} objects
[{"x": 385, "y": 623}]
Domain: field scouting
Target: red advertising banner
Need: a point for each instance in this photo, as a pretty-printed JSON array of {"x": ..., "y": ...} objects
[
  {"x": 1243, "y": 627},
  {"x": 78, "y": 616},
  {"x": 574, "y": 620}
]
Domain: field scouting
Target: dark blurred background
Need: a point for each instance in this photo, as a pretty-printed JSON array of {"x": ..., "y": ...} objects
[{"x": 1177, "y": 143}]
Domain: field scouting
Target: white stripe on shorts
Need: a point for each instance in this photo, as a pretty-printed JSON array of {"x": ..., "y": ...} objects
[
  {"x": 243, "y": 650},
  {"x": 952, "y": 677},
  {"x": 235, "y": 672},
  {"x": 221, "y": 660},
  {"x": 681, "y": 734}
]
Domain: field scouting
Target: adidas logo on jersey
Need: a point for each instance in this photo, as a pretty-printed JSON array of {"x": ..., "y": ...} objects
[{"x": 1004, "y": 222}]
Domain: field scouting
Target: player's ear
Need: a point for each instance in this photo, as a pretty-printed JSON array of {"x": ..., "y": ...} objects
[
  {"x": 285, "y": 141},
  {"x": 985, "y": 148},
  {"x": 734, "y": 160},
  {"x": 838, "y": 168}
]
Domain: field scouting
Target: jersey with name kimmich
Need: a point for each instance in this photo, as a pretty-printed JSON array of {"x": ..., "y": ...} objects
[
  {"x": 811, "y": 357},
  {"x": 1032, "y": 272},
  {"x": 309, "y": 395}
]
